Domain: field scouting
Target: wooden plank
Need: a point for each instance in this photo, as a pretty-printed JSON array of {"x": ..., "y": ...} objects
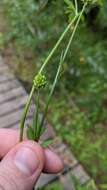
[
  {"x": 11, "y": 119},
  {"x": 4, "y": 68},
  {"x": 45, "y": 179},
  {"x": 67, "y": 182},
  {"x": 13, "y": 105},
  {"x": 5, "y": 78},
  {"x": 17, "y": 124},
  {"x": 15, "y": 93},
  {"x": 8, "y": 86},
  {"x": 79, "y": 173},
  {"x": 1, "y": 61}
]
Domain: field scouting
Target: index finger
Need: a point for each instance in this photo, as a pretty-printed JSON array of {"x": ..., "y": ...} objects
[{"x": 8, "y": 139}]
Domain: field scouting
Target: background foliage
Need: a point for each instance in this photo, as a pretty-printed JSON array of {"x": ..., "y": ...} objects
[{"x": 79, "y": 111}]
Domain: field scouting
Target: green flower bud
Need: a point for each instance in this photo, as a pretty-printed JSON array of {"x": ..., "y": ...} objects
[{"x": 40, "y": 81}]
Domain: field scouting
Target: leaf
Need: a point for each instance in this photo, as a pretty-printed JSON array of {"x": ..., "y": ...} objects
[
  {"x": 47, "y": 143},
  {"x": 103, "y": 186},
  {"x": 70, "y": 4},
  {"x": 71, "y": 11},
  {"x": 30, "y": 133},
  {"x": 91, "y": 185}
]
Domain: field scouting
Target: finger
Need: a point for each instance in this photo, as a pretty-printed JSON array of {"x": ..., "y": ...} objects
[
  {"x": 53, "y": 163},
  {"x": 8, "y": 139},
  {"x": 22, "y": 166}
]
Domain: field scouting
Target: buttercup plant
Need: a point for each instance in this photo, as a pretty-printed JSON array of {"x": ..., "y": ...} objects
[{"x": 35, "y": 130}]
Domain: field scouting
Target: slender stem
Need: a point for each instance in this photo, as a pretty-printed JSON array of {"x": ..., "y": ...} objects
[
  {"x": 36, "y": 117},
  {"x": 62, "y": 60},
  {"x": 76, "y": 7},
  {"x": 50, "y": 95},
  {"x": 46, "y": 61},
  {"x": 22, "y": 124},
  {"x": 33, "y": 88},
  {"x": 75, "y": 28},
  {"x": 57, "y": 44}
]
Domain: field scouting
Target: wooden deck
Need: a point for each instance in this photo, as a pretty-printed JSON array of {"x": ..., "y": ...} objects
[{"x": 12, "y": 101}]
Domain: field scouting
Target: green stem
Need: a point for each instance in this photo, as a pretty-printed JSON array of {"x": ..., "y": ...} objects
[
  {"x": 46, "y": 61},
  {"x": 50, "y": 95},
  {"x": 22, "y": 124},
  {"x": 75, "y": 28},
  {"x": 76, "y": 7},
  {"x": 33, "y": 88},
  {"x": 62, "y": 60},
  {"x": 36, "y": 117},
  {"x": 58, "y": 43}
]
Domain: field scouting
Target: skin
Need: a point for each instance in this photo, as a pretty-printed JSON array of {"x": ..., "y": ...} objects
[{"x": 14, "y": 176}]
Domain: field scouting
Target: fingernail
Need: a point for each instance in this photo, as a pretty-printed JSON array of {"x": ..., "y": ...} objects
[{"x": 26, "y": 161}]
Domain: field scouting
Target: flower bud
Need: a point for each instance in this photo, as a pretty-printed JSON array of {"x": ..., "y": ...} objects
[{"x": 40, "y": 81}]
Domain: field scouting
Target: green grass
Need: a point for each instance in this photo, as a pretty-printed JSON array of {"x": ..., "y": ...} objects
[{"x": 53, "y": 186}]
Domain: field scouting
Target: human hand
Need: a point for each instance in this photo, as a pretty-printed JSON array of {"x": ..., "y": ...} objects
[{"x": 22, "y": 163}]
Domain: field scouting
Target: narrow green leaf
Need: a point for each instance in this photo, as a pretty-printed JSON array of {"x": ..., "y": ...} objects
[
  {"x": 30, "y": 133},
  {"x": 47, "y": 143},
  {"x": 70, "y": 4},
  {"x": 36, "y": 116}
]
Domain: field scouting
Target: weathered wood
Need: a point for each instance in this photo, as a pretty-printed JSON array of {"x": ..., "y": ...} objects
[
  {"x": 8, "y": 86},
  {"x": 15, "y": 93},
  {"x": 45, "y": 179},
  {"x": 67, "y": 182},
  {"x": 4, "y": 69},
  {"x": 4, "y": 78},
  {"x": 11, "y": 119},
  {"x": 13, "y": 105},
  {"x": 80, "y": 174}
]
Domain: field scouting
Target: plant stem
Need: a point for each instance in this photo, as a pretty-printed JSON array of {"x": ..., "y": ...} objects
[
  {"x": 33, "y": 88},
  {"x": 51, "y": 93},
  {"x": 44, "y": 64},
  {"x": 75, "y": 28},
  {"x": 22, "y": 124},
  {"x": 57, "y": 44},
  {"x": 36, "y": 117},
  {"x": 76, "y": 7},
  {"x": 64, "y": 33},
  {"x": 61, "y": 61}
]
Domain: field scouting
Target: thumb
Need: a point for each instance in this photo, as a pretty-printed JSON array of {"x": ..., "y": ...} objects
[{"x": 21, "y": 167}]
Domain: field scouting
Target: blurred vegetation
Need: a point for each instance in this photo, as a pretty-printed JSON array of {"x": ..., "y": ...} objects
[{"x": 79, "y": 111}]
